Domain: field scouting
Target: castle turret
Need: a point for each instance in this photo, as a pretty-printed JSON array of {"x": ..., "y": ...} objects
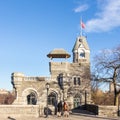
[{"x": 81, "y": 51}]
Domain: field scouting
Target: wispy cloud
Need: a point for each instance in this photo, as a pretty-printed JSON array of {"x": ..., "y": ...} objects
[
  {"x": 107, "y": 19},
  {"x": 81, "y": 8}
]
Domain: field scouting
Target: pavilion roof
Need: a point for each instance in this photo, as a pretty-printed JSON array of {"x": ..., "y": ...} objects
[{"x": 58, "y": 53}]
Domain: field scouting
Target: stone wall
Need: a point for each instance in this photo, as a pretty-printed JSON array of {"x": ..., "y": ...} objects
[
  {"x": 21, "y": 110},
  {"x": 37, "y": 111},
  {"x": 106, "y": 111},
  {"x": 109, "y": 111}
]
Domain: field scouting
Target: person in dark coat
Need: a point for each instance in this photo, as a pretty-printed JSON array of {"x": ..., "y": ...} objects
[
  {"x": 55, "y": 105},
  {"x": 60, "y": 107}
]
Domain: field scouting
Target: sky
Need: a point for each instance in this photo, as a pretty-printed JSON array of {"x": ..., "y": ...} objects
[{"x": 30, "y": 29}]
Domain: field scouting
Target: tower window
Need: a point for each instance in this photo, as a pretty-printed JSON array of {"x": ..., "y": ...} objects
[
  {"x": 82, "y": 54},
  {"x": 80, "y": 40},
  {"x": 77, "y": 81},
  {"x": 60, "y": 82}
]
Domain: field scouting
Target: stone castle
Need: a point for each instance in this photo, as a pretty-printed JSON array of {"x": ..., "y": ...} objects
[{"x": 67, "y": 82}]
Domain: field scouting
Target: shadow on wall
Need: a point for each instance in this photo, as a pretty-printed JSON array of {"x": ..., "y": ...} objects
[
  {"x": 10, "y": 118},
  {"x": 82, "y": 109}
]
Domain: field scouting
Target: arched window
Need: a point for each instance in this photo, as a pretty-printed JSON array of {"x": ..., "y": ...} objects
[
  {"x": 82, "y": 54},
  {"x": 52, "y": 98},
  {"x": 60, "y": 80},
  {"x": 77, "y": 100},
  {"x": 31, "y": 99}
]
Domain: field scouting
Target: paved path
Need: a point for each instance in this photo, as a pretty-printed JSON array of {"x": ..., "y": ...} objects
[{"x": 71, "y": 117}]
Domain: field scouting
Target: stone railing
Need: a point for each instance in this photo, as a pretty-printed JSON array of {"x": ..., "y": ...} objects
[{"x": 35, "y": 78}]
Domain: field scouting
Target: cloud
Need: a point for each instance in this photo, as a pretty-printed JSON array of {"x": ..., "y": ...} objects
[
  {"x": 81, "y": 8},
  {"x": 106, "y": 51},
  {"x": 107, "y": 19}
]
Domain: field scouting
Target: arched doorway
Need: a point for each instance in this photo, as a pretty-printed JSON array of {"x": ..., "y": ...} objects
[
  {"x": 31, "y": 99},
  {"x": 52, "y": 99},
  {"x": 77, "y": 100},
  {"x": 30, "y": 96}
]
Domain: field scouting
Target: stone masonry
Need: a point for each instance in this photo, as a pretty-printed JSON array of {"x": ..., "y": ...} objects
[{"x": 68, "y": 82}]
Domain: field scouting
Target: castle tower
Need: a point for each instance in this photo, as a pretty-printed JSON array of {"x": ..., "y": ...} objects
[{"x": 81, "y": 51}]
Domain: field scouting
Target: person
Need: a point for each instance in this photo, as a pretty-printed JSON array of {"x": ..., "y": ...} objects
[
  {"x": 59, "y": 106},
  {"x": 66, "y": 109},
  {"x": 55, "y": 105}
]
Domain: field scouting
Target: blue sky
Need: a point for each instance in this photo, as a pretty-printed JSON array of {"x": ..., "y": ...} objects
[{"x": 30, "y": 29}]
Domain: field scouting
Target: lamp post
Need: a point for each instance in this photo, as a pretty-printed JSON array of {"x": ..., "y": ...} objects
[{"x": 47, "y": 88}]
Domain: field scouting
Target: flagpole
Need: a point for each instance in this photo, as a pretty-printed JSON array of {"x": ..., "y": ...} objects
[{"x": 81, "y": 27}]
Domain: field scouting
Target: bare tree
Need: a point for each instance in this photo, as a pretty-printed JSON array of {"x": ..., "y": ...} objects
[{"x": 107, "y": 69}]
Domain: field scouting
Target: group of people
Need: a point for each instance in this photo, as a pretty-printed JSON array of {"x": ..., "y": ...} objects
[{"x": 62, "y": 109}]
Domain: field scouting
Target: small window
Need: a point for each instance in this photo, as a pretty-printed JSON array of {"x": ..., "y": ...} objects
[
  {"x": 80, "y": 40},
  {"x": 75, "y": 82},
  {"x": 79, "y": 81},
  {"x": 82, "y": 54},
  {"x": 60, "y": 82}
]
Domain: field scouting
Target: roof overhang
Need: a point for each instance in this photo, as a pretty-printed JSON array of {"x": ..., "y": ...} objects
[{"x": 58, "y": 53}]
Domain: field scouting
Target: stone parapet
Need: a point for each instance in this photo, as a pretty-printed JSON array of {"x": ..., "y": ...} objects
[
  {"x": 108, "y": 111},
  {"x": 20, "y": 111}
]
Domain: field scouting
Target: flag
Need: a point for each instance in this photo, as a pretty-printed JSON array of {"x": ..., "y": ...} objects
[{"x": 82, "y": 25}]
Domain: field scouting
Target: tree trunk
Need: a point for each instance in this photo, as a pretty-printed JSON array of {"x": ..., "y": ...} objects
[
  {"x": 116, "y": 99},
  {"x": 115, "y": 89}
]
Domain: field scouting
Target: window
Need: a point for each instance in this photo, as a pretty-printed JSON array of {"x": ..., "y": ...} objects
[
  {"x": 31, "y": 99},
  {"x": 77, "y": 100},
  {"x": 77, "y": 81},
  {"x": 74, "y": 80},
  {"x": 60, "y": 82},
  {"x": 82, "y": 54},
  {"x": 52, "y": 98},
  {"x": 80, "y": 40}
]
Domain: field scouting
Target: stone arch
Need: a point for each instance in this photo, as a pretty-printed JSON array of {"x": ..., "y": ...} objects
[
  {"x": 30, "y": 96},
  {"x": 52, "y": 97}
]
